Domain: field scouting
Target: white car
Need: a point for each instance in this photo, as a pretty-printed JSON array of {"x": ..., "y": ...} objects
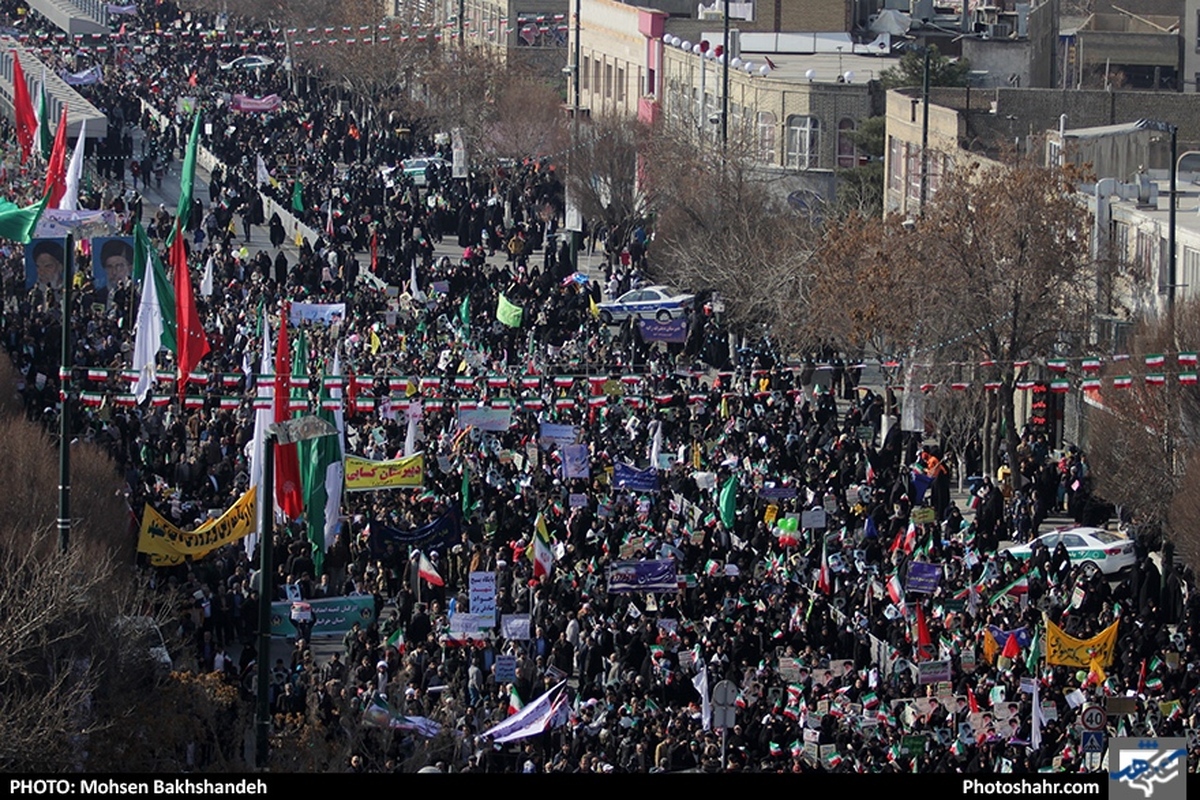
[
  {"x": 1093, "y": 549},
  {"x": 249, "y": 62},
  {"x": 649, "y": 302}
]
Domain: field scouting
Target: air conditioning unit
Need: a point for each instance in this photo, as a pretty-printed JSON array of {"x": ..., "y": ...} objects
[
  {"x": 999, "y": 30},
  {"x": 710, "y": 14}
]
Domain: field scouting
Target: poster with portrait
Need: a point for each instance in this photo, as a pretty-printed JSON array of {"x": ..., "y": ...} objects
[
  {"x": 112, "y": 261},
  {"x": 44, "y": 263}
]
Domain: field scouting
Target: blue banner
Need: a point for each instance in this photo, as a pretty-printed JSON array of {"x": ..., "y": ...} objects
[
  {"x": 672, "y": 331},
  {"x": 643, "y": 576},
  {"x": 634, "y": 479},
  {"x": 441, "y": 534},
  {"x": 1023, "y": 634},
  {"x": 923, "y": 577}
]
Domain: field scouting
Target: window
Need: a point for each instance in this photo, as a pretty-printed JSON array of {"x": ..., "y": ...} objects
[
  {"x": 803, "y": 139},
  {"x": 608, "y": 80},
  {"x": 651, "y": 86},
  {"x": 584, "y": 83},
  {"x": 912, "y": 160},
  {"x": 595, "y": 74},
  {"x": 1191, "y": 270},
  {"x": 766, "y": 137},
  {"x": 847, "y": 155},
  {"x": 620, "y": 84},
  {"x": 895, "y": 164}
]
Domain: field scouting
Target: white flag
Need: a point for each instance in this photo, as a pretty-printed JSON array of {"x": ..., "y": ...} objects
[
  {"x": 206, "y": 283},
  {"x": 701, "y": 684},
  {"x": 148, "y": 338},
  {"x": 263, "y": 176},
  {"x": 70, "y": 198},
  {"x": 263, "y": 416}
]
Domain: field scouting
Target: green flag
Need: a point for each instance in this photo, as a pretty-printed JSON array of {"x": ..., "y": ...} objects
[
  {"x": 321, "y": 474},
  {"x": 297, "y": 196},
  {"x": 145, "y": 253},
  {"x": 466, "y": 492},
  {"x": 17, "y": 223},
  {"x": 45, "y": 138},
  {"x": 464, "y": 312},
  {"x": 507, "y": 313},
  {"x": 187, "y": 176},
  {"x": 1035, "y": 654},
  {"x": 728, "y": 501}
]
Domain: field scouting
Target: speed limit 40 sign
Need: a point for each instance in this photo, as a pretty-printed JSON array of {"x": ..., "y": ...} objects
[{"x": 1092, "y": 718}]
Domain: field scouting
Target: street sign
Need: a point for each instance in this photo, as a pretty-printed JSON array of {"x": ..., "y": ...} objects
[
  {"x": 1092, "y": 742},
  {"x": 1093, "y": 718},
  {"x": 724, "y": 697}
]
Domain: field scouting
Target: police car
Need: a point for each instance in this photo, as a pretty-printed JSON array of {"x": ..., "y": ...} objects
[
  {"x": 1092, "y": 549},
  {"x": 649, "y": 302}
]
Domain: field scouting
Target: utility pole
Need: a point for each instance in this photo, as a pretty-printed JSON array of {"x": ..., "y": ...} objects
[
  {"x": 64, "y": 398},
  {"x": 725, "y": 80},
  {"x": 576, "y": 75},
  {"x": 925, "y": 133}
]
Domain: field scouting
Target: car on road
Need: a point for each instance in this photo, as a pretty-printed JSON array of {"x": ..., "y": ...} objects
[
  {"x": 415, "y": 167},
  {"x": 649, "y": 302},
  {"x": 1094, "y": 549},
  {"x": 249, "y": 62}
]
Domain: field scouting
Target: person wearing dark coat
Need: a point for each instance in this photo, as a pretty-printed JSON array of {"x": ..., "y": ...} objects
[{"x": 276, "y": 231}]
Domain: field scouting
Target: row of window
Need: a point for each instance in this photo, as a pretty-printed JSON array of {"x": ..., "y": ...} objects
[{"x": 606, "y": 79}]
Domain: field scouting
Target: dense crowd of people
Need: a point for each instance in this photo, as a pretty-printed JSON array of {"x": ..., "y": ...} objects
[{"x": 789, "y": 503}]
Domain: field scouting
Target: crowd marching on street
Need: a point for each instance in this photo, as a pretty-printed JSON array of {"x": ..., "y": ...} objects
[{"x": 798, "y": 544}]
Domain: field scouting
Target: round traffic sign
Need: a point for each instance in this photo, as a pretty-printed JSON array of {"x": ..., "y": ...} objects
[{"x": 1092, "y": 718}]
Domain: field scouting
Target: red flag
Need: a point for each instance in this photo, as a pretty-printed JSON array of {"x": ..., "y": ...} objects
[
  {"x": 287, "y": 465},
  {"x": 374, "y": 250},
  {"x": 26, "y": 119},
  {"x": 1011, "y": 648},
  {"x": 1142, "y": 678},
  {"x": 56, "y": 170},
  {"x": 191, "y": 342},
  {"x": 924, "y": 640},
  {"x": 972, "y": 703}
]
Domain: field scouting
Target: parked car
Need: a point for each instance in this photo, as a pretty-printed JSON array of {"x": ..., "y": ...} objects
[
  {"x": 415, "y": 167},
  {"x": 249, "y": 62},
  {"x": 649, "y": 302},
  {"x": 1094, "y": 549}
]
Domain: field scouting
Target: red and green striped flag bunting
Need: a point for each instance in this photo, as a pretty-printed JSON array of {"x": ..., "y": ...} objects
[
  {"x": 1091, "y": 385},
  {"x": 92, "y": 399},
  {"x": 230, "y": 402},
  {"x": 1025, "y": 386},
  {"x": 1156, "y": 379},
  {"x": 1091, "y": 365},
  {"x": 992, "y": 386},
  {"x": 531, "y": 382},
  {"x": 157, "y": 400},
  {"x": 596, "y": 402},
  {"x": 1057, "y": 366},
  {"x": 533, "y": 403},
  {"x": 125, "y": 400},
  {"x": 564, "y": 402},
  {"x": 1187, "y": 378},
  {"x": 263, "y": 403},
  {"x": 1187, "y": 359},
  {"x": 960, "y": 387},
  {"x": 1122, "y": 382},
  {"x": 497, "y": 382},
  {"x": 297, "y": 404},
  {"x": 1060, "y": 387},
  {"x": 1155, "y": 360},
  {"x": 229, "y": 379},
  {"x": 364, "y": 381},
  {"x": 97, "y": 375},
  {"x": 464, "y": 383},
  {"x": 563, "y": 381},
  {"x": 198, "y": 377},
  {"x": 193, "y": 401}
]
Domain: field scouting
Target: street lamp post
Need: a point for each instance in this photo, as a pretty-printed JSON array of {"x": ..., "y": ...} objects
[
  {"x": 725, "y": 79},
  {"x": 576, "y": 232},
  {"x": 64, "y": 396},
  {"x": 289, "y": 431}
]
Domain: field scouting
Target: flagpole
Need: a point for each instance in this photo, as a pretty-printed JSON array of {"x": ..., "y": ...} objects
[
  {"x": 64, "y": 416},
  {"x": 266, "y": 544}
]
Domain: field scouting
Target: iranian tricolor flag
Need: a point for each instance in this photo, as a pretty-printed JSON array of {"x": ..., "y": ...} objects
[
  {"x": 1187, "y": 378},
  {"x": 1091, "y": 365},
  {"x": 823, "y": 582},
  {"x": 1091, "y": 385},
  {"x": 896, "y": 592},
  {"x": 1122, "y": 382},
  {"x": 428, "y": 572},
  {"x": 1187, "y": 359},
  {"x": 514, "y": 701},
  {"x": 1155, "y": 360},
  {"x": 1057, "y": 366},
  {"x": 1156, "y": 379},
  {"x": 541, "y": 552},
  {"x": 1060, "y": 387}
]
